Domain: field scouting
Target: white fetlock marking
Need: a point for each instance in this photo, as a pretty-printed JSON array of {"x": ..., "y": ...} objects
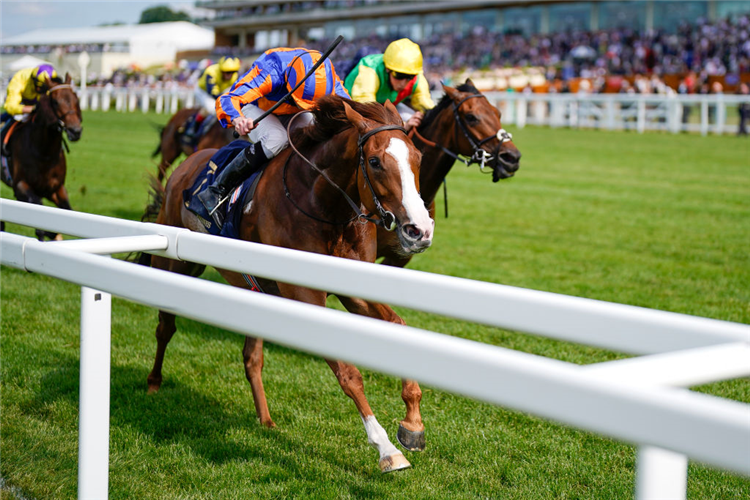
[{"x": 378, "y": 438}]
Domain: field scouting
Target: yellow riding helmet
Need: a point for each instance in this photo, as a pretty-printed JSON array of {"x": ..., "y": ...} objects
[
  {"x": 229, "y": 64},
  {"x": 403, "y": 56}
]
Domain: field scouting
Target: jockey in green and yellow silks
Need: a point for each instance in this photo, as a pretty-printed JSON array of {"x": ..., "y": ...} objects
[{"x": 394, "y": 75}]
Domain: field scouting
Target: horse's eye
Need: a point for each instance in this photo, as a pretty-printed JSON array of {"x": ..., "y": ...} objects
[
  {"x": 471, "y": 118},
  {"x": 374, "y": 162}
]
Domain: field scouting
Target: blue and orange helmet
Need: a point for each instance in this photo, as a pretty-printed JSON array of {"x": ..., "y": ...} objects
[
  {"x": 323, "y": 82},
  {"x": 44, "y": 74}
]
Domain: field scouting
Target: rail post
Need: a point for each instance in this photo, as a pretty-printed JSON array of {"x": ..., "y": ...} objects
[{"x": 93, "y": 421}]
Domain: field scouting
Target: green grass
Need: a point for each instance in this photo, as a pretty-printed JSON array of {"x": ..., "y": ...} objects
[{"x": 654, "y": 220}]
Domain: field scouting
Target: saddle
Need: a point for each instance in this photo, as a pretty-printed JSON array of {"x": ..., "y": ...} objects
[{"x": 237, "y": 200}]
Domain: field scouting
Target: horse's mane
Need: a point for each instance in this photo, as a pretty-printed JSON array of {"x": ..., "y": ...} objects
[
  {"x": 444, "y": 102},
  {"x": 330, "y": 119}
]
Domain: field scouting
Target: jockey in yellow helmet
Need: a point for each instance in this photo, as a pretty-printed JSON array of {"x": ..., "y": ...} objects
[
  {"x": 394, "y": 75},
  {"x": 215, "y": 80}
]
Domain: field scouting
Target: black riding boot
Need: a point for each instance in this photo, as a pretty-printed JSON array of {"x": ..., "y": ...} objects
[{"x": 239, "y": 169}]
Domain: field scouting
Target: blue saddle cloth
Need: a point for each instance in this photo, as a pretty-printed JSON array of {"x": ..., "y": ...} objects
[{"x": 237, "y": 199}]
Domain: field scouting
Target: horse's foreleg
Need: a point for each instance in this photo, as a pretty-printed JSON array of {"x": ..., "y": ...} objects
[
  {"x": 60, "y": 199},
  {"x": 411, "y": 428},
  {"x": 253, "y": 356},
  {"x": 24, "y": 193},
  {"x": 350, "y": 380}
]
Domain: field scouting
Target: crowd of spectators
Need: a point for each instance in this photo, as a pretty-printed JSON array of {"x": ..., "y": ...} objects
[{"x": 708, "y": 49}]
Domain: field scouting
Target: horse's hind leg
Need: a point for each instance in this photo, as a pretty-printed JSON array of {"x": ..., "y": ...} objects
[
  {"x": 411, "y": 428},
  {"x": 166, "y": 327},
  {"x": 253, "y": 357},
  {"x": 164, "y": 332}
]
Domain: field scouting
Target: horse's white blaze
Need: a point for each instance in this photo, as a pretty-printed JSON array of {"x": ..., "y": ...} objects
[
  {"x": 410, "y": 199},
  {"x": 378, "y": 438}
]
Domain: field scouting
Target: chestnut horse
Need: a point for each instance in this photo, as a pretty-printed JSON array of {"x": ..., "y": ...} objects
[
  {"x": 171, "y": 145},
  {"x": 352, "y": 155},
  {"x": 462, "y": 123},
  {"x": 37, "y": 160}
]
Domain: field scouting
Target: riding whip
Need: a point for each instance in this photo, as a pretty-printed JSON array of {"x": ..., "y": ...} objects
[{"x": 322, "y": 59}]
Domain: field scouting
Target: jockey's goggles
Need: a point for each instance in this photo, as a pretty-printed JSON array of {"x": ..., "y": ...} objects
[{"x": 401, "y": 76}]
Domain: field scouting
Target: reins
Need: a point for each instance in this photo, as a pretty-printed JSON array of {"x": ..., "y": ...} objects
[{"x": 387, "y": 220}]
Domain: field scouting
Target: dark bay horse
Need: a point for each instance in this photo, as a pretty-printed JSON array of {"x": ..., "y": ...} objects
[
  {"x": 356, "y": 148},
  {"x": 37, "y": 159},
  {"x": 462, "y": 123},
  {"x": 171, "y": 145}
]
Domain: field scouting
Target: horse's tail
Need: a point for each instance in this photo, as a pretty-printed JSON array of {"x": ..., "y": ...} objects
[
  {"x": 159, "y": 129},
  {"x": 156, "y": 194}
]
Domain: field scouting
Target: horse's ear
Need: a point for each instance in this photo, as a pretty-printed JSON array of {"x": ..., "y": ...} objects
[
  {"x": 451, "y": 92},
  {"x": 469, "y": 82},
  {"x": 355, "y": 118},
  {"x": 391, "y": 109},
  {"x": 67, "y": 78}
]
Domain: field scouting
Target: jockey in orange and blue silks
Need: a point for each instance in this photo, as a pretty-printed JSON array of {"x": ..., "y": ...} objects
[{"x": 272, "y": 76}]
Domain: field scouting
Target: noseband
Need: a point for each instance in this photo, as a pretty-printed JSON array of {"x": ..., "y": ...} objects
[
  {"x": 387, "y": 220},
  {"x": 480, "y": 155}
]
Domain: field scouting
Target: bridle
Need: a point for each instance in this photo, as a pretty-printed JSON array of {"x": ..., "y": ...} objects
[
  {"x": 60, "y": 119},
  {"x": 387, "y": 220},
  {"x": 480, "y": 156}
]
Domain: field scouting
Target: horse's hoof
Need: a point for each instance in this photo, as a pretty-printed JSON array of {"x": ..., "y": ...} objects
[
  {"x": 412, "y": 441},
  {"x": 395, "y": 462}
]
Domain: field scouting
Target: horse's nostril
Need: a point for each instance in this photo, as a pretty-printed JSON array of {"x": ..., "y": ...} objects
[{"x": 412, "y": 232}]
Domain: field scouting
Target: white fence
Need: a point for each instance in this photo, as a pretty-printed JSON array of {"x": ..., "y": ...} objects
[
  {"x": 602, "y": 111},
  {"x": 637, "y": 400},
  {"x": 636, "y": 112}
]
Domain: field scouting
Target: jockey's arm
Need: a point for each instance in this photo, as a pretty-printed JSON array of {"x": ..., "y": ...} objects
[
  {"x": 13, "y": 102},
  {"x": 421, "y": 100},
  {"x": 253, "y": 85},
  {"x": 366, "y": 85}
]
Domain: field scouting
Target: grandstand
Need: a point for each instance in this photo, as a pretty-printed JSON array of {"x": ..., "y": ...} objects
[
  {"x": 253, "y": 25},
  {"x": 109, "y": 47}
]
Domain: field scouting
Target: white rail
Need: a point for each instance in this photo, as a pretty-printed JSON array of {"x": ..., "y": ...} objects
[
  {"x": 605, "y": 398},
  {"x": 639, "y": 112}
]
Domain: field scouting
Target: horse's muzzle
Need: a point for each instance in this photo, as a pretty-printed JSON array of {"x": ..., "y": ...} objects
[
  {"x": 508, "y": 162},
  {"x": 413, "y": 239},
  {"x": 74, "y": 133}
]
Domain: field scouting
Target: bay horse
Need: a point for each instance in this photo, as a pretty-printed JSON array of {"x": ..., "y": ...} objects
[
  {"x": 353, "y": 155},
  {"x": 463, "y": 123},
  {"x": 171, "y": 145},
  {"x": 37, "y": 160}
]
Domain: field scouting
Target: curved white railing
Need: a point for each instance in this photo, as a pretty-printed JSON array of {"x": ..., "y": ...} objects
[{"x": 630, "y": 400}]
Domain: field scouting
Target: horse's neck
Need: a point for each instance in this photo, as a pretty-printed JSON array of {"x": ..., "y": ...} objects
[
  {"x": 341, "y": 168},
  {"x": 47, "y": 137},
  {"x": 435, "y": 163}
]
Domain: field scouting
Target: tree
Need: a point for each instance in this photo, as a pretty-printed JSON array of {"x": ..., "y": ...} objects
[{"x": 162, "y": 14}]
